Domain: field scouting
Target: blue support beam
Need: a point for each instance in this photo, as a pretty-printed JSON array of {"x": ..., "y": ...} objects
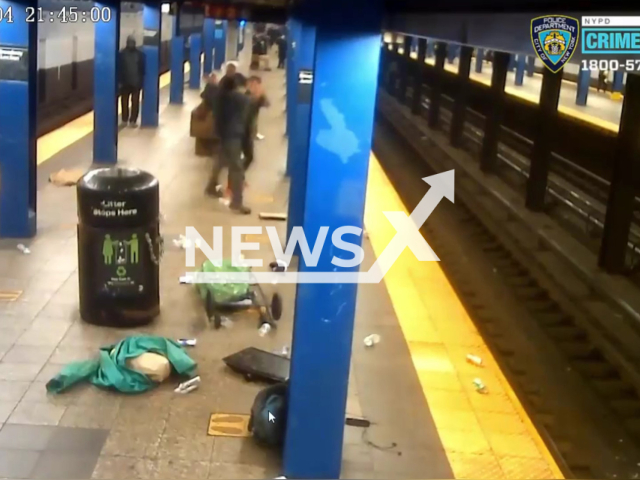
[
  {"x": 618, "y": 81},
  {"x": 208, "y": 36},
  {"x": 584, "y": 79},
  {"x": 342, "y": 118},
  {"x": 521, "y": 65},
  {"x": 176, "y": 89},
  {"x": 152, "y": 21},
  {"x": 219, "y": 44},
  {"x": 512, "y": 62},
  {"x": 293, "y": 38},
  {"x": 531, "y": 66},
  {"x": 299, "y": 137},
  {"x": 105, "y": 85},
  {"x": 479, "y": 59},
  {"x": 195, "y": 70},
  {"x": 18, "y": 102}
]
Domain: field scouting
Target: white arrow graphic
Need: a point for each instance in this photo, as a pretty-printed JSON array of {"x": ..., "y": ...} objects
[
  {"x": 408, "y": 228},
  {"x": 272, "y": 418},
  {"x": 407, "y": 235}
]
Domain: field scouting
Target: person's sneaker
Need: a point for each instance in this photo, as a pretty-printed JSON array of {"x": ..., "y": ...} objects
[
  {"x": 133, "y": 124},
  {"x": 242, "y": 209},
  {"x": 214, "y": 192}
]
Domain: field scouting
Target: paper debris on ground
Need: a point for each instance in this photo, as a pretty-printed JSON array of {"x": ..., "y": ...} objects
[
  {"x": 272, "y": 216},
  {"x": 66, "y": 178}
]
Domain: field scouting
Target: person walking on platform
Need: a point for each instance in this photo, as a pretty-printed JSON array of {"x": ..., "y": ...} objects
[
  {"x": 602, "y": 80},
  {"x": 282, "y": 51},
  {"x": 210, "y": 93},
  {"x": 231, "y": 121},
  {"x": 258, "y": 100},
  {"x": 131, "y": 81}
]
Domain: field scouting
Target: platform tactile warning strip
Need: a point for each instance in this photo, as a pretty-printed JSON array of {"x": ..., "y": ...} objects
[
  {"x": 228, "y": 425},
  {"x": 484, "y": 435},
  {"x": 9, "y": 295}
]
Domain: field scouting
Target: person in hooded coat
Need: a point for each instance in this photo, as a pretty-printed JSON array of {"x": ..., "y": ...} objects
[{"x": 131, "y": 63}]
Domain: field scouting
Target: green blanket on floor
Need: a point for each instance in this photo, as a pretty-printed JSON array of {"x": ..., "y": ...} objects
[{"x": 109, "y": 370}]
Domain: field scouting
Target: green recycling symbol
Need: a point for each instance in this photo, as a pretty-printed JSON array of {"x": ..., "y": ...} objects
[{"x": 121, "y": 271}]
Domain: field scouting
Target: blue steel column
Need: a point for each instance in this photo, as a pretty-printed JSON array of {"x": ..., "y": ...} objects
[
  {"x": 521, "y": 64},
  {"x": 176, "y": 89},
  {"x": 299, "y": 137},
  {"x": 105, "y": 85},
  {"x": 219, "y": 44},
  {"x": 531, "y": 66},
  {"x": 18, "y": 101},
  {"x": 618, "y": 78},
  {"x": 208, "y": 34},
  {"x": 152, "y": 21},
  {"x": 195, "y": 46},
  {"x": 293, "y": 38},
  {"x": 479, "y": 59},
  {"x": 452, "y": 52},
  {"x": 584, "y": 79},
  {"x": 342, "y": 116},
  {"x": 512, "y": 62}
]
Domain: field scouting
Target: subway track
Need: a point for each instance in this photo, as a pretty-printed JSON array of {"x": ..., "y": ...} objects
[{"x": 583, "y": 405}]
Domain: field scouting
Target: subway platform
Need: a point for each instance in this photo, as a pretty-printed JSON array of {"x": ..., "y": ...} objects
[
  {"x": 415, "y": 386},
  {"x": 601, "y": 110}
]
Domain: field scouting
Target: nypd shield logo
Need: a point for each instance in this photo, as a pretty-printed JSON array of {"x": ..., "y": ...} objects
[{"x": 555, "y": 39}]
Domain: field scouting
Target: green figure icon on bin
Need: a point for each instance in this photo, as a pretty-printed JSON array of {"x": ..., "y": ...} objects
[{"x": 107, "y": 250}]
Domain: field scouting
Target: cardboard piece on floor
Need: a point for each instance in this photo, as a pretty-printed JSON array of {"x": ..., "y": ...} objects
[
  {"x": 273, "y": 216},
  {"x": 228, "y": 425},
  {"x": 66, "y": 178}
]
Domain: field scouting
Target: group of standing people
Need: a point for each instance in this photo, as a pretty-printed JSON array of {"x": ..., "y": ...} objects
[{"x": 236, "y": 102}]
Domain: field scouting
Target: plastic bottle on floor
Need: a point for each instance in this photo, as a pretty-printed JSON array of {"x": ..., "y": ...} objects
[{"x": 264, "y": 329}]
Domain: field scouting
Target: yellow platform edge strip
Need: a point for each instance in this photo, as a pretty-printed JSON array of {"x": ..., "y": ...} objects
[
  {"x": 54, "y": 142},
  {"x": 514, "y": 91},
  {"x": 421, "y": 308}
]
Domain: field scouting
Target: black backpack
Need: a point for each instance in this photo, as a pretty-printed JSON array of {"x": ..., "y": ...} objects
[{"x": 268, "y": 421}]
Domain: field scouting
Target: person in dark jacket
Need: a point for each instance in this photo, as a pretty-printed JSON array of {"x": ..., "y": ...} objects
[
  {"x": 282, "y": 51},
  {"x": 258, "y": 100},
  {"x": 131, "y": 80},
  {"x": 210, "y": 93},
  {"x": 231, "y": 123}
]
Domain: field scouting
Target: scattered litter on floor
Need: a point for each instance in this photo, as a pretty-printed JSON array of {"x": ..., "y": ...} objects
[
  {"x": 283, "y": 352},
  {"x": 357, "y": 422},
  {"x": 184, "y": 242},
  {"x": 278, "y": 266},
  {"x": 264, "y": 329},
  {"x": 474, "y": 359},
  {"x": 23, "y": 249},
  {"x": 272, "y": 216},
  {"x": 371, "y": 340},
  {"x": 112, "y": 368},
  {"x": 187, "y": 342},
  {"x": 224, "y": 201},
  {"x": 480, "y": 386},
  {"x": 189, "y": 385},
  {"x": 185, "y": 280},
  {"x": 259, "y": 136},
  {"x": 66, "y": 178}
]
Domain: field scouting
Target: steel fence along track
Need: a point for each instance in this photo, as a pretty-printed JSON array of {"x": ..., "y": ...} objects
[
  {"x": 570, "y": 185},
  {"x": 613, "y": 394}
]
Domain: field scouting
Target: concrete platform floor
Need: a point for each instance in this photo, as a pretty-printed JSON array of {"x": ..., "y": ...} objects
[{"x": 89, "y": 433}]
